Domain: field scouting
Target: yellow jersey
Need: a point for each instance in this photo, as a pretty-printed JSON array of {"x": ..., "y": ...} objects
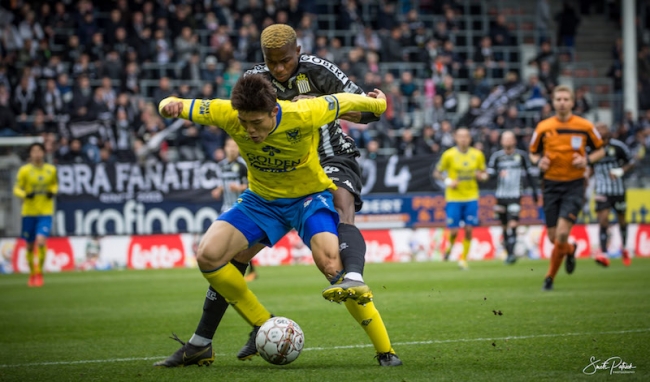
[
  {"x": 40, "y": 181},
  {"x": 462, "y": 167},
  {"x": 286, "y": 163}
]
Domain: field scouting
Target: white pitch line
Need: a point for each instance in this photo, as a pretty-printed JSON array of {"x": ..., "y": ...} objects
[{"x": 430, "y": 342}]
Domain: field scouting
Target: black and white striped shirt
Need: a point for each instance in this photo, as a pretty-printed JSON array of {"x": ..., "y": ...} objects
[
  {"x": 509, "y": 169},
  {"x": 617, "y": 155},
  {"x": 231, "y": 173}
]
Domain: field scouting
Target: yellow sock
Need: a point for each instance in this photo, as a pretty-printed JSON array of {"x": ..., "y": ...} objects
[
  {"x": 230, "y": 283},
  {"x": 466, "y": 244},
  {"x": 30, "y": 261},
  {"x": 370, "y": 320},
  {"x": 41, "y": 258},
  {"x": 452, "y": 241}
]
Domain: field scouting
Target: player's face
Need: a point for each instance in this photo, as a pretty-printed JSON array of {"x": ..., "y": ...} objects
[
  {"x": 258, "y": 124},
  {"x": 231, "y": 149},
  {"x": 562, "y": 102},
  {"x": 36, "y": 154},
  {"x": 508, "y": 141},
  {"x": 463, "y": 139},
  {"x": 282, "y": 62},
  {"x": 604, "y": 132}
]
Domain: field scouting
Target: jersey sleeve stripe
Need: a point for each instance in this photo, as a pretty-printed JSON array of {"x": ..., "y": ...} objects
[{"x": 191, "y": 110}]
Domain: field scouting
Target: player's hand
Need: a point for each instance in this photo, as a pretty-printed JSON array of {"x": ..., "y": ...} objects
[
  {"x": 172, "y": 109},
  {"x": 302, "y": 96},
  {"x": 451, "y": 183},
  {"x": 49, "y": 194},
  {"x": 378, "y": 94},
  {"x": 579, "y": 161},
  {"x": 234, "y": 187},
  {"x": 544, "y": 163},
  {"x": 616, "y": 173},
  {"x": 216, "y": 193},
  {"x": 30, "y": 195},
  {"x": 482, "y": 176}
]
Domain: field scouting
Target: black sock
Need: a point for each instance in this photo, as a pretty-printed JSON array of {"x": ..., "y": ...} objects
[
  {"x": 214, "y": 308},
  {"x": 623, "y": 229},
  {"x": 251, "y": 268},
  {"x": 352, "y": 247},
  {"x": 511, "y": 240},
  {"x": 603, "y": 239}
]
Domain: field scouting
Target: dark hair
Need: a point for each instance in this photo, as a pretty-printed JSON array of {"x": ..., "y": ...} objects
[
  {"x": 39, "y": 144},
  {"x": 253, "y": 93}
]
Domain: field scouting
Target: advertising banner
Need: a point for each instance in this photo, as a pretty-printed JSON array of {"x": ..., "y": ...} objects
[{"x": 86, "y": 253}]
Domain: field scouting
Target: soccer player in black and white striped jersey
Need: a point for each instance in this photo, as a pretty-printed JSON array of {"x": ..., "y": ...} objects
[
  {"x": 610, "y": 190},
  {"x": 508, "y": 165}
]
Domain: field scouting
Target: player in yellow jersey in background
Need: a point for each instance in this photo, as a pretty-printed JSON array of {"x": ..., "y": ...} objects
[
  {"x": 460, "y": 167},
  {"x": 37, "y": 185}
]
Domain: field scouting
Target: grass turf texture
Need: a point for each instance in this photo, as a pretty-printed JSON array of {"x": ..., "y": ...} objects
[{"x": 444, "y": 323}]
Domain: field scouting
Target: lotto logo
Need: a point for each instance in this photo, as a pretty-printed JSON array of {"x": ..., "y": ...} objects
[{"x": 156, "y": 251}]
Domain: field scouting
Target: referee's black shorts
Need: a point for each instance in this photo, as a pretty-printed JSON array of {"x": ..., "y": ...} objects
[{"x": 563, "y": 200}]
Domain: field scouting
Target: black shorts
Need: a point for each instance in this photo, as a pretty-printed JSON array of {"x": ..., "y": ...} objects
[
  {"x": 563, "y": 200},
  {"x": 507, "y": 209},
  {"x": 607, "y": 202},
  {"x": 345, "y": 173}
]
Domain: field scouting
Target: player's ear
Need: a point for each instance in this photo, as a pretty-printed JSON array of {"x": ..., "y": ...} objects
[
  {"x": 298, "y": 47},
  {"x": 275, "y": 110}
]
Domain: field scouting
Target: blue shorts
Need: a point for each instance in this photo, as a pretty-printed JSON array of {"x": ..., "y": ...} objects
[
  {"x": 36, "y": 225},
  {"x": 462, "y": 211},
  {"x": 266, "y": 222}
]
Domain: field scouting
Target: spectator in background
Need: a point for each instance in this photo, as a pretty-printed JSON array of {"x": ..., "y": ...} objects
[
  {"x": 74, "y": 154},
  {"x": 230, "y": 77},
  {"x": 392, "y": 46},
  {"x": 52, "y": 101},
  {"x": 568, "y": 22},
  {"x": 615, "y": 72},
  {"x": 484, "y": 50},
  {"x": 474, "y": 110},
  {"x": 537, "y": 94},
  {"x": 8, "y": 125},
  {"x": 163, "y": 90},
  {"x": 407, "y": 146},
  {"x": 81, "y": 99},
  {"x": 25, "y": 99},
  {"x": 368, "y": 40},
  {"x": 479, "y": 85},
  {"x": 130, "y": 79},
  {"x": 446, "y": 89},
  {"x": 542, "y": 20},
  {"x": 582, "y": 104},
  {"x": 444, "y": 136},
  {"x": 192, "y": 69},
  {"x": 386, "y": 20},
  {"x": 349, "y": 17},
  {"x": 426, "y": 144},
  {"x": 500, "y": 33}
]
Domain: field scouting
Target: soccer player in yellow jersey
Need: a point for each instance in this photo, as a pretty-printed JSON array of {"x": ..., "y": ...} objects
[
  {"x": 36, "y": 185},
  {"x": 460, "y": 167},
  {"x": 288, "y": 189}
]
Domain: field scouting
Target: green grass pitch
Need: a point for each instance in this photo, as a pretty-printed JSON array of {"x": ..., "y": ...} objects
[{"x": 111, "y": 326}]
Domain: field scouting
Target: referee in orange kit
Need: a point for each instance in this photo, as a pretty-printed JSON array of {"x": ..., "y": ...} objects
[{"x": 559, "y": 149}]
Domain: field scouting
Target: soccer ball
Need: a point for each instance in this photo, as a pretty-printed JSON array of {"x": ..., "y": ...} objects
[{"x": 279, "y": 340}]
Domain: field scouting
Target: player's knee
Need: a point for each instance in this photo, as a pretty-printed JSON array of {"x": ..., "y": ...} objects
[
  {"x": 513, "y": 224},
  {"x": 41, "y": 241},
  {"x": 562, "y": 236},
  {"x": 210, "y": 256}
]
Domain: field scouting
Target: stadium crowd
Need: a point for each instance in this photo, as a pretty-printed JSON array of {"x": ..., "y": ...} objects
[{"x": 87, "y": 76}]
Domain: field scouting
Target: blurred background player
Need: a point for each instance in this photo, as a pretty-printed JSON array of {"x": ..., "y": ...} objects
[
  {"x": 37, "y": 185},
  {"x": 558, "y": 148},
  {"x": 295, "y": 76},
  {"x": 463, "y": 165},
  {"x": 508, "y": 165},
  {"x": 232, "y": 175},
  {"x": 609, "y": 192}
]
